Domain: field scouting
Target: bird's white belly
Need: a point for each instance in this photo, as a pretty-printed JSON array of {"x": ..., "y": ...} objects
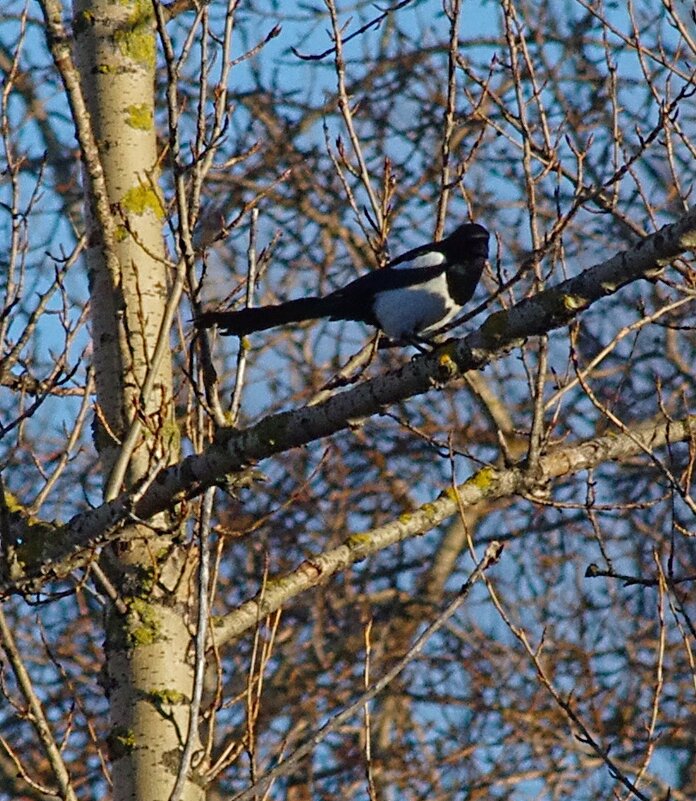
[{"x": 413, "y": 310}]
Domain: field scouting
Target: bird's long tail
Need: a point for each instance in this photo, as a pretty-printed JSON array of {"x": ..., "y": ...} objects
[{"x": 259, "y": 318}]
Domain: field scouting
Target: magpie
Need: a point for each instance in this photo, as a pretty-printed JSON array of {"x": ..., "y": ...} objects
[{"x": 409, "y": 300}]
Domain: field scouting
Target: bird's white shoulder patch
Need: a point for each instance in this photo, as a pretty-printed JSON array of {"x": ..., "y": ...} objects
[{"x": 430, "y": 259}]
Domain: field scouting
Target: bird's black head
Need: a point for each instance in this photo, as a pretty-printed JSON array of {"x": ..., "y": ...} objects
[
  {"x": 468, "y": 241},
  {"x": 466, "y": 250}
]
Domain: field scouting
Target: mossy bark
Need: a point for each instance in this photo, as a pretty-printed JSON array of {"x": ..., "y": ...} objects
[{"x": 148, "y": 669}]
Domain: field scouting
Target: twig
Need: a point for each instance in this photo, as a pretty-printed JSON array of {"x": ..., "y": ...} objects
[
  {"x": 249, "y": 302},
  {"x": 373, "y": 23},
  {"x": 564, "y": 702},
  {"x": 347, "y": 114},
  {"x": 490, "y": 557},
  {"x": 603, "y": 409},
  {"x": 369, "y": 772},
  {"x": 448, "y": 122},
  {"x": 38, "y": 718},
  {"x": 201, "y": 636}
]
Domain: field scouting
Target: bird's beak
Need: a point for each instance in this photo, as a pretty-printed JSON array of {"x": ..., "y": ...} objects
[{"x": 480, "y": 247}]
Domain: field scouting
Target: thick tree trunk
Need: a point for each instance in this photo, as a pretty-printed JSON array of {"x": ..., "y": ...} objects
[{"x": 148, "y": 671}]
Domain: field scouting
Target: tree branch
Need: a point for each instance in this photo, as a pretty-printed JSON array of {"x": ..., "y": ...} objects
[{"x": 236, "y": 449}]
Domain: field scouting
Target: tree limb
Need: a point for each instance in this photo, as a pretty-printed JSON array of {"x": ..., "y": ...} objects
[{"x": 64, "y": 549}]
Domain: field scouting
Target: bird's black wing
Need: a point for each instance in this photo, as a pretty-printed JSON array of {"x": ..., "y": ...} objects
[
  {"x": 385, "y": 279},
  {"x": 354, "y": 301}
]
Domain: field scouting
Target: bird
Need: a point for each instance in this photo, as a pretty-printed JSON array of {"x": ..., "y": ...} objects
[{"x": 409, "y": 299}]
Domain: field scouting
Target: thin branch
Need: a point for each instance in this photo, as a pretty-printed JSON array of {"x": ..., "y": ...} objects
[
  {"x": 203, "y": 587},
  {"x": 373, "y": 23},
  {"x": 490, "y": 557},
  {"x": 234, "y": 449},
  {"x": 453, "y": 13},
  {"x": 347, "y": 114},
  {"x": 38, "y": 719},
  {"x": 565, "y": 701},
  {"x": 249, "y": 301},
  {"x": 488, "y": 484},
  {"x": 60, "y": 45}
]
